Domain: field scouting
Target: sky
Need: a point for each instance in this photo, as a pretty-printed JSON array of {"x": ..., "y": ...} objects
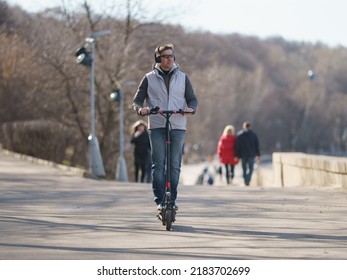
[{"x": 310, "y": 21}]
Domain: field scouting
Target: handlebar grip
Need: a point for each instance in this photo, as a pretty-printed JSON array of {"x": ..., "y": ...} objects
[{"x": 154, "y": 110}]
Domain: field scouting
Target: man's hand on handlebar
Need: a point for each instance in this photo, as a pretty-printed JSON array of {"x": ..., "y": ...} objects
[
  {"x": 188, "y": 111},
  {"x": 144, "y": 111}
]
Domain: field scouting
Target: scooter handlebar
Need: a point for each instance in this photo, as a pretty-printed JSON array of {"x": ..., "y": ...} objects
[{"x": 156, "y": 110}]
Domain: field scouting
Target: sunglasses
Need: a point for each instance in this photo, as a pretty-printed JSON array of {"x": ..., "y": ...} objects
[{"x": 167, "y": 56}]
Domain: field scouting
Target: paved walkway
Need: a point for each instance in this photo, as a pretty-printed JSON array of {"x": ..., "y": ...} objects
[{"x": 48, "y": 213}]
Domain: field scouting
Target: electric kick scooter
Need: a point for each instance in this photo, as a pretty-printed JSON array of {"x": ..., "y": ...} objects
[{"x": 168, "y": 212}]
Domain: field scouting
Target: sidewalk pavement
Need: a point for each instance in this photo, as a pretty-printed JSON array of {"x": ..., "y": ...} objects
[{"x": 47, "y": 213}]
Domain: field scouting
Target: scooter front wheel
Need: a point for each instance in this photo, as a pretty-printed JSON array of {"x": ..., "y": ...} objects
[{"x": 169, "y": 218}]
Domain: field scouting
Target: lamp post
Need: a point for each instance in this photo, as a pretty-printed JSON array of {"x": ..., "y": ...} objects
[
  {"x": 312, "y": 75},
  {"x": 96, "y": 167},
  {"x": 118, "y": 96}
]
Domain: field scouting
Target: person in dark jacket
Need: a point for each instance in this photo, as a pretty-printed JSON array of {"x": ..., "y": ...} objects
[
  {"x": 140, "y": 139},
  {"x": 247, "y": 149}
]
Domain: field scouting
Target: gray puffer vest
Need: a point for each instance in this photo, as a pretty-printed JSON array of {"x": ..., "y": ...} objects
[{"x": 174, "y": 99}]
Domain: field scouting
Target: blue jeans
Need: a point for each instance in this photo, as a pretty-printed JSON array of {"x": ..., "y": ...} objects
[
  {"x": 247, "y": 167},
  {"x": 158, "y": 152}
]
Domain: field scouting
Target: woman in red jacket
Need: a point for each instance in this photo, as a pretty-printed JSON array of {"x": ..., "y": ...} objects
[{"x": 226, "y": 151}]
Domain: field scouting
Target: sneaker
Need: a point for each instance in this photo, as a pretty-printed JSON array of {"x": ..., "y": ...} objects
[
  {"x": 159, "y": 207},
  {"x": 174, "y": 206}
]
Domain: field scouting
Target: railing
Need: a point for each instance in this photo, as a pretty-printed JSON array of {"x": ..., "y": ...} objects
[{"x": 300, "y": 169}]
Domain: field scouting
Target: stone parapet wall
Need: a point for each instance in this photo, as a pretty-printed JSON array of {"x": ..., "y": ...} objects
[{"x": 300, "y": 169}]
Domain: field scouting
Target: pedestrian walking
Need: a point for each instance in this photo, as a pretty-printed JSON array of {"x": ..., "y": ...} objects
[
  {"x": 247, "y": 149},
  {"x": 226, "y": 152},
  {"x": 140, "y": 139}
]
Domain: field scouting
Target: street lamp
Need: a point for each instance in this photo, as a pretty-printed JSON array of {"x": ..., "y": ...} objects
[
  {"x": 96, "y": 167},
  {"x": 312, "y": 75},
  {"x": 118, "y": 96}
]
